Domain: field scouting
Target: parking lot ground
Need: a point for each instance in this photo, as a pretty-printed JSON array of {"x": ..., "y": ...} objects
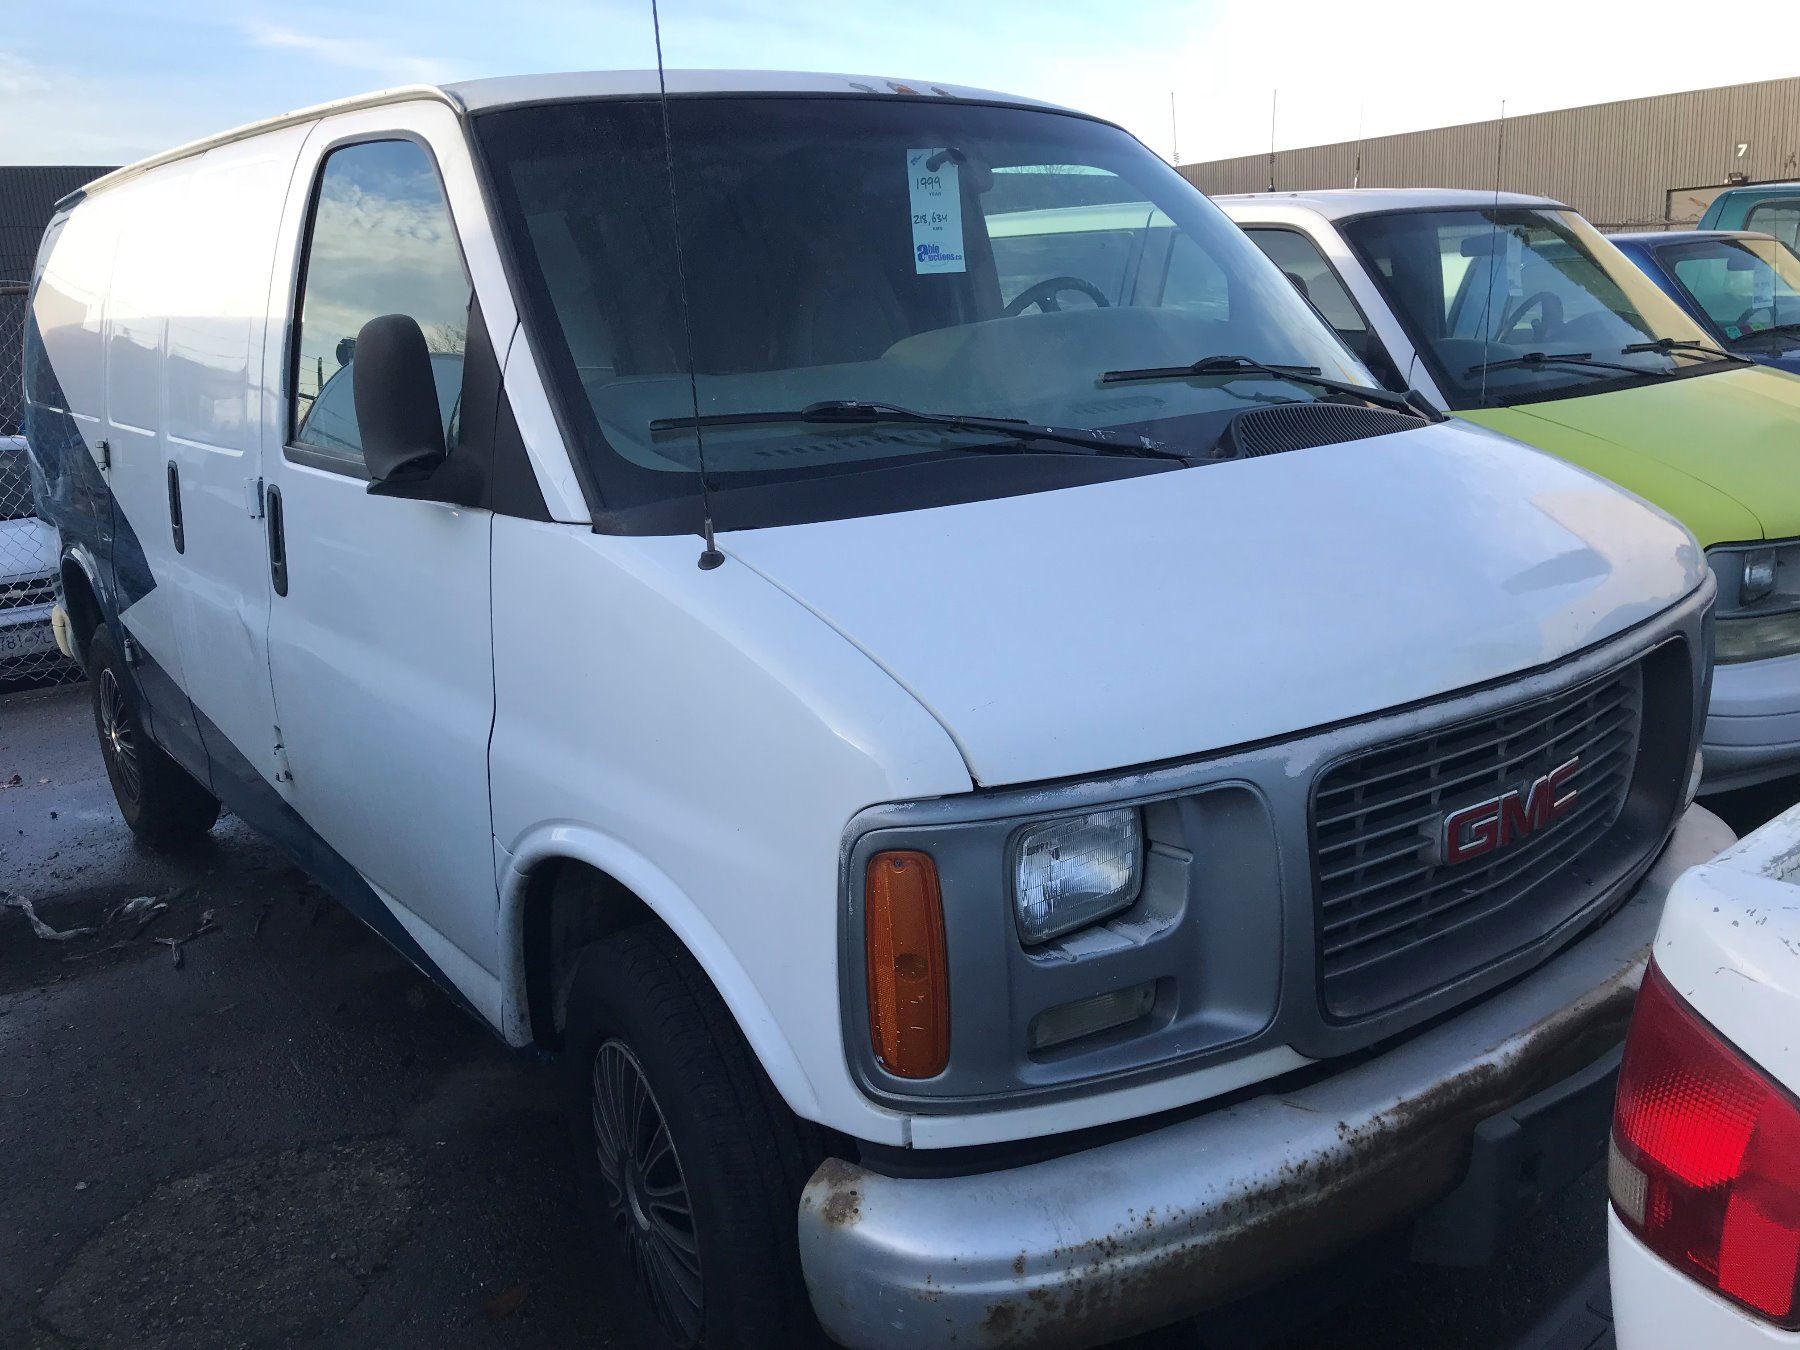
[{"x": 288, "y": 1136}]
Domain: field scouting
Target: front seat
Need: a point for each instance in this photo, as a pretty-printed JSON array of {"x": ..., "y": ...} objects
[{"x": 843, "y": 306}]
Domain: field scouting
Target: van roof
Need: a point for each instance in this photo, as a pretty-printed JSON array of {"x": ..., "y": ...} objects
[
  {"x": 1345, "y": 203},
  {"x": 511, "y": 90},
  {"x": 474, "y": 96},
  {"x": 1683, "y": 236}
]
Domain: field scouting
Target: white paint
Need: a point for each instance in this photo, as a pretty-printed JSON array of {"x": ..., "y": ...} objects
[
  {"x": 1730, "y": 945},
  {"x": 1248, "y": 600},
  {"x": 704, "y": 739}
]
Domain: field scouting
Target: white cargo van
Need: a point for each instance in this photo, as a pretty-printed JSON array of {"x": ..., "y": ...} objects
[{"x": 1030, "y": 795}]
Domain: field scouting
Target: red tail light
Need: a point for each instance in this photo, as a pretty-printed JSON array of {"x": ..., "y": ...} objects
[{"x": 1705, "y": 1159}]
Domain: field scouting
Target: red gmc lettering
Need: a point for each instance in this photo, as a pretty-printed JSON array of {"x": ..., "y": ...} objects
[{"x": 1499, "y": 821}]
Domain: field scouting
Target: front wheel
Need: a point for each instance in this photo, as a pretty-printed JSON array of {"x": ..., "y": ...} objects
[
  {"x": 689, "y": 1160},
  {"x": 160, "y": 801}
]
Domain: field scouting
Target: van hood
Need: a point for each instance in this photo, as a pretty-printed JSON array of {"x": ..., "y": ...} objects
[
  {"x": 1720, "y": 451},
  {"x": 1168, "y": 615}
]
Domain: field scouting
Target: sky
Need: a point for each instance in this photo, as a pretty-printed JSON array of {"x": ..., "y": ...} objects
[{"x": 88, "y": 82}]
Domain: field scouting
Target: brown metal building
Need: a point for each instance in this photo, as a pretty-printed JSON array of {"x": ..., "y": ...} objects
[{"x": 1640, "y": 162}]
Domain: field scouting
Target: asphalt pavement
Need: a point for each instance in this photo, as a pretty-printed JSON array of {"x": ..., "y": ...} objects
[{"x": 241, "y": 1119}]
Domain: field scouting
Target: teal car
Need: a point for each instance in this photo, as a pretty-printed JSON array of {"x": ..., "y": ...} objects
[{"x": 1773, "y": 208}]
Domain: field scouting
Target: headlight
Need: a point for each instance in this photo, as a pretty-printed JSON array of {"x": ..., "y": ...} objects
[
  {"x": 1759, "y": 576},
  {"x": 1756, "y": 639},
  {"x": 1071, "y": 872}
]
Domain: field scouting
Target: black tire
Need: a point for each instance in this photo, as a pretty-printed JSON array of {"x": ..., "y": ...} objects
[
  {"x": 640, "y": 1003},
  {"x": 159, "y": 799}
]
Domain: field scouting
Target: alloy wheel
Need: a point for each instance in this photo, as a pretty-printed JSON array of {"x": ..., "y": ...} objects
[
  {"x": 646, "y": 1193},
  {"x": 118, "y": 734}
]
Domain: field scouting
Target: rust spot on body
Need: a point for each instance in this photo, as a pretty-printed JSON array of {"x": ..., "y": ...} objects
[{"x": 842, "y": 1205}]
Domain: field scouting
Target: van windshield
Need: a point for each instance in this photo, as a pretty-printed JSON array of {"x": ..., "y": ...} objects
[
  {"x": 1492, "y": 297},
  {"x": 937, "y": 255},
  {"x": 1748, "y": 286}
]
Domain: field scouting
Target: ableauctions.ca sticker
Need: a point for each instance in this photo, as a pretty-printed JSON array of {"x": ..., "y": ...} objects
[{"x": 936, "y": 192}]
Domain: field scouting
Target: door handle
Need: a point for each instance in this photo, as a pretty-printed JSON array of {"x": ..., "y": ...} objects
[
  {"x": 176, "y": 529},
  {"x": 272, "y": 512}
]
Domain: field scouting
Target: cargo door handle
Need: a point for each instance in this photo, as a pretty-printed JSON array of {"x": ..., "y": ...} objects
[
  {"x": 176, "y": 529},
  {"x": 272, "y": 513}
]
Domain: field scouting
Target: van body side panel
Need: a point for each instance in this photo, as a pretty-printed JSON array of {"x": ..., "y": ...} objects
[
  {"x": 706, "y": 740},
  {"x": 218, "y": 235},
  {"x": 73, "y": 432}
]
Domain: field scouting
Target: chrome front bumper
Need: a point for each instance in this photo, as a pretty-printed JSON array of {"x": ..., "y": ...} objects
[{"x": 1143, "y": 1231}]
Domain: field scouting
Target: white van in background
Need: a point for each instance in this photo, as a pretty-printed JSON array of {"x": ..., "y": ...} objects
[
  {"x": 1028, "y": 807},
  {"x": 27, "y": 570}
]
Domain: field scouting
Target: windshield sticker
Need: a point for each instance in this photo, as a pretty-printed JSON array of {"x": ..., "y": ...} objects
[
  {"x": 1762, "y": 284},
  {"x": 1515, "y": 265},
  {"x": 934, "y": 185}
]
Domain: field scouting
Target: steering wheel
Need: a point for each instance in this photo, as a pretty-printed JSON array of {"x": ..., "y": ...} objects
[
  {"x": 1043, "y": 294},
  {"x": 1742, "y": 321},
  {"x": 1550, "y": 318}
]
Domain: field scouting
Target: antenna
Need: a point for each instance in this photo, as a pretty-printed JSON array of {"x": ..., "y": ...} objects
[
  {"x": 1487, "y": 308},
  {"x": 710, "y": 557},
  {"x": 1174, "y": 130},
  {"x": 1274, "y": 102},
  {"x": 1356, "y": 177}
]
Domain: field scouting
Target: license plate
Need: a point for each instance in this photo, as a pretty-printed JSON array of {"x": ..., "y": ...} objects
[{"x": 27, "y": 641}]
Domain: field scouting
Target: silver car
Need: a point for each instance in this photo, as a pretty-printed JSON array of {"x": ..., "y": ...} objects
[{"x": 27, "y": 571}]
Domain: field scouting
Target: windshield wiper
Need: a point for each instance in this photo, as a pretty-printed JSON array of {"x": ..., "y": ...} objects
[
  {"x": 855, "y": 412},
  {"x": 1583, "y": 361},
  {"x": 1411, "y": 402},
  {"x": 1683, "y": 347}
]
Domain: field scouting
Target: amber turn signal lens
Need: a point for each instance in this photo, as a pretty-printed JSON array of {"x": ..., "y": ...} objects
[{"x": 909, "y": 978}]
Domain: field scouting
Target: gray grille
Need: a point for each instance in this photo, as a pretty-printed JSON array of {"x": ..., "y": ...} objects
[
  {"x": 24, "y": 594},
  {"x": 1393, "y": 919}
]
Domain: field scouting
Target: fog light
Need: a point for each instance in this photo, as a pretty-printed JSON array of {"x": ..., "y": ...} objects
[
  {"x": 1756, "y": 639},
  {"x": 1058, "y": 1026},
  {"x": 1074, "y": 871},
  {"x": 1759, "y": 576}
]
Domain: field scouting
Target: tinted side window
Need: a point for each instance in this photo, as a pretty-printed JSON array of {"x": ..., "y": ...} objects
[
  {"x": 1300, "y": 258},
  {"x": 381, "y": 242},
  {"x": 1781, "y": 219}
]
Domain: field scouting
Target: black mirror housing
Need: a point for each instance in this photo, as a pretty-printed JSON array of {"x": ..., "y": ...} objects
[{"x": 396, "y": 402}]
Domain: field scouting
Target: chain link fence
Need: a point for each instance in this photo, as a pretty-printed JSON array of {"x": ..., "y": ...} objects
[{"x": 28, "y": 654}]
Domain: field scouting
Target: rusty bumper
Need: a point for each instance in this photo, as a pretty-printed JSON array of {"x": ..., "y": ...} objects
[{"x": 1141, "y": 1232}]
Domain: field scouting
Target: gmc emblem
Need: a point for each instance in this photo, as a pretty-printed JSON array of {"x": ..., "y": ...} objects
[{"x": 1473, "y": 831}]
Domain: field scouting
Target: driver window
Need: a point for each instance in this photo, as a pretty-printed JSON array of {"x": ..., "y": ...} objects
[
  {"x": 1299, "y": 258},
  {"x": 380, "y": 242}
]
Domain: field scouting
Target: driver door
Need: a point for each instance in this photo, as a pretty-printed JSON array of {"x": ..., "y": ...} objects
[{"x": 380, "y": 649}]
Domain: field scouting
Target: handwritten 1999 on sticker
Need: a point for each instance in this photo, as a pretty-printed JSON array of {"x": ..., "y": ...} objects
[{"x": 934, "y": 185}]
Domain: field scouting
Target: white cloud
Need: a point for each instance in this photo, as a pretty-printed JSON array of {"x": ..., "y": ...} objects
[{"x": 348, "y": 53}]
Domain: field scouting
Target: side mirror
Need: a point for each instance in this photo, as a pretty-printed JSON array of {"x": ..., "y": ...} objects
[{"x": 396, "y": 402}]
